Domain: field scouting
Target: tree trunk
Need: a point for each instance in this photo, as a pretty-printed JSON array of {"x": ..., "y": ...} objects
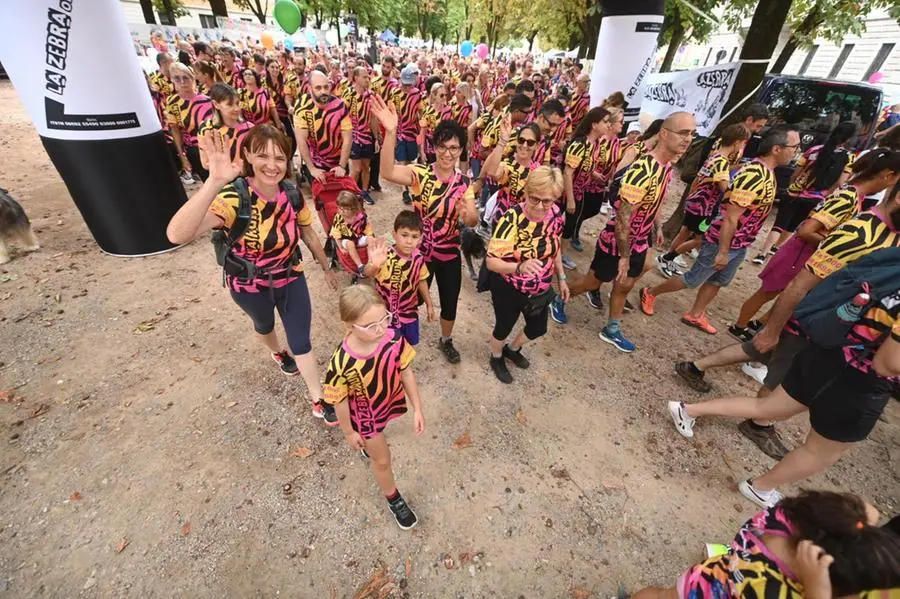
[
  {"x": 337, "y": 26},
  {"x": 219, "y": 8},
  {"x": 762, "y": 37},
  {"x": 259, "y": 11},
  {"x": 320, "y": 18},
  {"x": 813, "y": 19},
  {"x": 147, "y": 8},
  {"x": 531, "y": 39},
  {"x": 786, "y": 54},
  {"x": 592, "y": 32},
  {"x": 674, "y": 44}
]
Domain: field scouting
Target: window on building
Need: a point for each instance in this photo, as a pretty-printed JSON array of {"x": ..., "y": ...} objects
[
  {"x": 878, "y": 61},
  {"x": 808, "y": 60},
  {"x": 208, "y": 21},
  {"x": 733, "y": 54},
  {"x": 166, "y": 18},
  {"x": 841, "y": 59}
]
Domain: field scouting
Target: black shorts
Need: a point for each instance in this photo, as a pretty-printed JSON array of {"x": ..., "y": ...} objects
[
  {"x": 361, "y": 151},
  {"x": 606, "y": 267},
  {"x": 694, "y": 222},
  {"x": 779, "y": 360},
  {"x": 793, "y": 212},
  {"x": 844, "y": 403}
]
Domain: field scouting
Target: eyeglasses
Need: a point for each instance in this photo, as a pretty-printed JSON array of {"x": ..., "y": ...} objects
[
  {"x": 384, "y": 323},
  {"x": 683, "y": 133},
  {"x": 544, "y": 202},
  {"x": 524, "y": 141},
  {"x": 180, "y": 78},
  {"x": 448, "y": 149},
  {"x": 794, "y": 146}
]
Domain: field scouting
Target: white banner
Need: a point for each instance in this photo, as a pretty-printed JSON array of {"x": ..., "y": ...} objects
[
  {"x": 623, "y": 45},
  {"x": 702, "y": 92},
  {"x": 75, "y": 69}
]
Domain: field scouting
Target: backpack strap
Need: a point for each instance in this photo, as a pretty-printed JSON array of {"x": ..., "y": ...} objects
[
  {"x": 293, "y": 194},
  {"x": 245, "y": 210}
]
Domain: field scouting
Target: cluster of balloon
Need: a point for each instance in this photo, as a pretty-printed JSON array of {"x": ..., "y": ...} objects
[
  {"x": 287, "y": 15},
  {"x": 467, "y": 48},
  {"x": 876, "y": 77},
  {"x": 482, "y": 51},
  {"x": 267, "y": 40}
]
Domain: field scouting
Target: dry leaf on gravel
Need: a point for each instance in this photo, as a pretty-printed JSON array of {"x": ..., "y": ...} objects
[
  {"x": 521, "y": 417},
  {"x": 579, "y": 593},
  {"x": 186, "y": 529},
  {"x": 408, "y": 566},
  {"x": 7, "y": 396},
  {"x": 76, "y": 496},
  {"x": 40, "y": 410},
  {"x": 146, "y": 326},
  {"x": 121, "y": 546},
  {"x": 302, "y": 452},
  {"x": 465, "y": 440},
  {"x": 465, "y": 558},
  {"x": 378, "y": 586}
]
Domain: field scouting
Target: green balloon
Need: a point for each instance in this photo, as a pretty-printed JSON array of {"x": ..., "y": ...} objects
[{"x": 287, "y": 14}]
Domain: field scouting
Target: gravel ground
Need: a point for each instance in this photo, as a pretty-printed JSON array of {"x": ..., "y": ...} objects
[{"x": 152, "y": 449}]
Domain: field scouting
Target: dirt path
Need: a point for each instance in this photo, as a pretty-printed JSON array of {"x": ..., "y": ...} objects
[{"x": 144, "y": 411}]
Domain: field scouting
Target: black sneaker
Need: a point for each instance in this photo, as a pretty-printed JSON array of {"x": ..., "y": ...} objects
[
  {"x": 742, "y": 334},
  {"x": 406, "y": 518},
  {"x": 629, "y": 307},
  {"x": 329, "y": 415},
  {"x": 375, "y": 187},
  {"x": 766, "y": 438},
  {"x": 759, "y": 259},
  {"x": 695, "y": 381},
  {"x": 755, "y": 326},
  {"x": 449, "y": 351},
  {"x": 516, "y": 357},
  {"x": 498, "y": 365},
  {"x": 407, "y": 199},
  {"x": 595, "y": 299},
  {"x": 286, "y": 362}
]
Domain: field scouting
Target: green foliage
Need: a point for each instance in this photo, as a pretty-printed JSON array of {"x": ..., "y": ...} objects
[{"x": 176, "y": 7}]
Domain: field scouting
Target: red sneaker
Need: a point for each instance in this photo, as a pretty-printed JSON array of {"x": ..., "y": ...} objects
[
  {"x": 701, "y": 322},
  {"x": 647, "y": 301}
]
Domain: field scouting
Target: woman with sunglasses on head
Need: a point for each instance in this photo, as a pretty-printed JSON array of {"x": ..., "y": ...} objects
[
  {"x": 185, "y": 112},
  {"x": 523, "y": 255},
  {"x": 258, "y": 105},
  {"x": 511, "y": 173},
  {"x": 432, "y": 111}
]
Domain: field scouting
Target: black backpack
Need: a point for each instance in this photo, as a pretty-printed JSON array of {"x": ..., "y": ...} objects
[{"x": 223, "y": 241}]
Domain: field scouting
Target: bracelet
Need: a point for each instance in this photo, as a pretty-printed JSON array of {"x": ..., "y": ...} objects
[
  {"x": 562, "y": 278},
  {"x": 361, "y": 270}
]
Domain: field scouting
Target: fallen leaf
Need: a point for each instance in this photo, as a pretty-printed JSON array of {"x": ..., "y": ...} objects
[
  {"x": 408, "y": 565},
  {"x": 465, "y": 558},
  {"x": 377, "y": 586},
  {"x": 146, "y": 326},
  {"x": 302, "y": 452},
  {"x": 464, "y": 441},
  {"x": 231, "y": 404},
  {"x": 40, "y": 410},
  {"x": 76, "y": 496},
  {"x": 7, "y": 396},
  {"x": 186, "y": 529},
  {"x": 521, "y": 417},
  {"x": 579, "y": 593},
  {"x": 57, "y": 298},
  {"x": 197, "y": 360},
  {"x": 121, "y": 546}
]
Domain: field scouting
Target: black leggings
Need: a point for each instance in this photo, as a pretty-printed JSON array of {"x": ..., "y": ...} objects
[
  {"x": 293, "y": 305},
  {"x": 373, "y": 170},
  {"x": 449, "y": 282},
  {"x": 193, "y": 156},
  {"x": 508, "y": 304},
  {"x": 591, "y": 204},
  {"x": 289, "y": 131}
]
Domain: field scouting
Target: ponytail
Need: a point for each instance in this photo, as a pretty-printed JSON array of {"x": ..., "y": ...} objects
[
  {"x": 830, "y": 161},
  {"x": 875, "y": 161}
]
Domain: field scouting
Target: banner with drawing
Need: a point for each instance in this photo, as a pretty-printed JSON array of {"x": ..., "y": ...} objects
[{"x": 702, "y": 92}]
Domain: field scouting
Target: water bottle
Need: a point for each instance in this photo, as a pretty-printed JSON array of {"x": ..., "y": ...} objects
[{"x": 852, "y": 310}]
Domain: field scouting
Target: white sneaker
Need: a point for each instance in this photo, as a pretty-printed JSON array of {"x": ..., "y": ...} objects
[
  {"x": 680, "y": 262},
  {"x": 764, "y": 499},
  {"x": 664, "y": 266},
  {"x": 186, "y": 178},
  {"x": 683, "y": 423},
  {"x": 604, "y": 209},
  {"x": 695, "y": 253},
  {"x": 755, "y": 371}
]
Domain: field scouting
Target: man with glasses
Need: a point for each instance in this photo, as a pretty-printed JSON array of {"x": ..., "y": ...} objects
[
  {"x": 550, "y": 118},
  {"x": 744, "y": 209}
]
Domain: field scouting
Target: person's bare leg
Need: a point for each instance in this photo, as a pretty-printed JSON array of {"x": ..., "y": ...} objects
[
  {"x": 355, "y": 170},
  {"x": 380, "y": 456},
  {"x": 769, "y": 243},
  {"x": 496, "y": 346},
  {"x": 519, "y": 342},
  {"x": 777, "y": 406},
  {"x": 668, "y": 286},
  {"x": 752, "y": 305},
  {"x": 728, "y": 355},
  {"x": 447, "y": 328},
  {"x": 689, "y": 245},
  {"x": 579, "y": 285},
  {"x": 270, "y": 340},
  {"x": 705, "y": 295},
  {"x": 683, "y": 235},
  {"x": 618, "y": 296},
  {"x": 365, "y": 173},
  {"x": 816, "y": 455},
  {"x": 309, "y": 370}
]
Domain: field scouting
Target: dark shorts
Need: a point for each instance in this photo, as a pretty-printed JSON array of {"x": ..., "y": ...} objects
[
  {"x": 778, "y": 360},
  {"x": 606, "y": 267},
  {"x": 293, "y": 305},
  {"x": 844, "y": 403},
  {"x": 410, "y": 332},
  {"x": 793, "y": 212},
  {"x": 406, "y": 151},
  {"x": 696, "y": 223},
  {"x": 362, "y": 151}
]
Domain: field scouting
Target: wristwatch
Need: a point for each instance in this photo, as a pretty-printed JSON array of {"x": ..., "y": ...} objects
[
  {"x": 361, "y": 271},
  {"x": 562, "y": 278}
]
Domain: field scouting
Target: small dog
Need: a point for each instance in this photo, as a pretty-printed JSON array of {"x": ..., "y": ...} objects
[
  {"x": 14, "y": 227},
  {"x": 474, "y": 242}
]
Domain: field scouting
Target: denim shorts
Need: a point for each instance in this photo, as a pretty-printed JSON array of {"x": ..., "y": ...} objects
[
  {"x": 704, "y": 272},
  {"x": 406, "y": 151}
]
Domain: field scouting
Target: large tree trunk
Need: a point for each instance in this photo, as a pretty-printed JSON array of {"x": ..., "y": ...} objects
[
  {"x": 762, "y": 37},
  {"x": 674, "y": 43},
  {"x": 531, "y": 39},
  {"x": 219, "y": 8},
  {"x": 259, "y": 11},
  {"x": 337, "y": 26},
  {"x": 813, "y": 19},
  {"x": 147, "y": 9}
]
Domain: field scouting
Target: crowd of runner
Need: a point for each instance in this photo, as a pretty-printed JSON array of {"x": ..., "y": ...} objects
[{"x": 506, "y": 161}]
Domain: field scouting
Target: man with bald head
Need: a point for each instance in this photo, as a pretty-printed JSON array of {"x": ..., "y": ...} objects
[
  {"x": 744, "y": 209},
  {"x": 623, "y": 246},
  {"x": 323, "y": 129},
  {"x": 581, "y": 100}
]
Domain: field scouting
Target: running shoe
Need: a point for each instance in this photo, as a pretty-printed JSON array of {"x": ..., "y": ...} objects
[
  {"x": 759, "y": 259},
  {"x": 772, "y": 250},
  {"x": 604, "y": 209},
  {"x": 757, "y": 372},
  {"x": 516, "y": 357},
  {"x": 617, "y": 340},
  {"x": 186, "y": 178},
  {"x": 498, "y": 366},
  {"x": 742, "y": 334},
  {"x": 684, "y": 424},
  {"x": 367, "y": 198},
  {"x": 629, "y": 307},
  {"x": 577, "y": 245},
  {"x": 558, "y": 311},
  {"x": 595, "y": 299},
  {"x": 755, "y": 325},
  {"x": 764, "y": 499},
  {"x": 568, "y": 263},
  {"x": 449, "y": 351},
  {"x": 647, "y": 301},
  {"x": 695, "y": 253},
  {"x": 375, "y": 187},
  {"x": 665, "y": 268},
  {"x": 681, "y": 264},
  {"x": 701, "y": 322},
  {"x": 364, "y": 454},
  {"x": 318, "y": 409},
  {"x": 329, "y": 415},
  {"x": 286, "y": 362},
  {"x": 403, "y": 514},
  {"x": 764, "y": 437},
  {"x": 695, "y": 381}
]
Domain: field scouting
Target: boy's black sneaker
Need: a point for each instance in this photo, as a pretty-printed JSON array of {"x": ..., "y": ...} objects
[
  {"x": 754, "y": 325},
  {"x": 595, "y": 299},
  {"x": 759, "y": 259},
  {"x": 742, "y": 334},
  {"x": 406, "y": 518},
  {"x": 516, "y": 357},
  {"x": 329, "y": 415},
  {"x": 688, "y": 372},
  {"x": 286, "y": 363},
  {"x": 449, "y": 351},
  {"x": 498, "y": 365}
]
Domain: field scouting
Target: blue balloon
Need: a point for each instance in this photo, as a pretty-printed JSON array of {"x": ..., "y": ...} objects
[
  {"x": 288, "y": 43},
  {"x": 466, "y": 48},
  {"x": 311, "y": 38}
]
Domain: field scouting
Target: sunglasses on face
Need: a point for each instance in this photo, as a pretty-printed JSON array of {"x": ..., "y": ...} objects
[
  {"x": 381, "y": 324},
  {"x": 524, "y": 141},
  {"x": 545, "y": 202}
]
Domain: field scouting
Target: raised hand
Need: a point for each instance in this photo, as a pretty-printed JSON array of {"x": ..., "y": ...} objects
[
  {"x": 377, "y": 251},
  {"x": 506, "y": 127},
  {"x": 222, "y": 169},
  {"x": 385, "y": 113}
]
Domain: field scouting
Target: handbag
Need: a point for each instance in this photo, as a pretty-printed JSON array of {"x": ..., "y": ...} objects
[{"x": 538, "y": 303}]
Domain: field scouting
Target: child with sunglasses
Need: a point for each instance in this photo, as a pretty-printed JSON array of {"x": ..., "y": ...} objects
[{"x": 367, "y": 381}]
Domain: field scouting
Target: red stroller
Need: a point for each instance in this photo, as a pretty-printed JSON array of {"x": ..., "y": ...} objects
[{"x": 325, "y": 200}]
